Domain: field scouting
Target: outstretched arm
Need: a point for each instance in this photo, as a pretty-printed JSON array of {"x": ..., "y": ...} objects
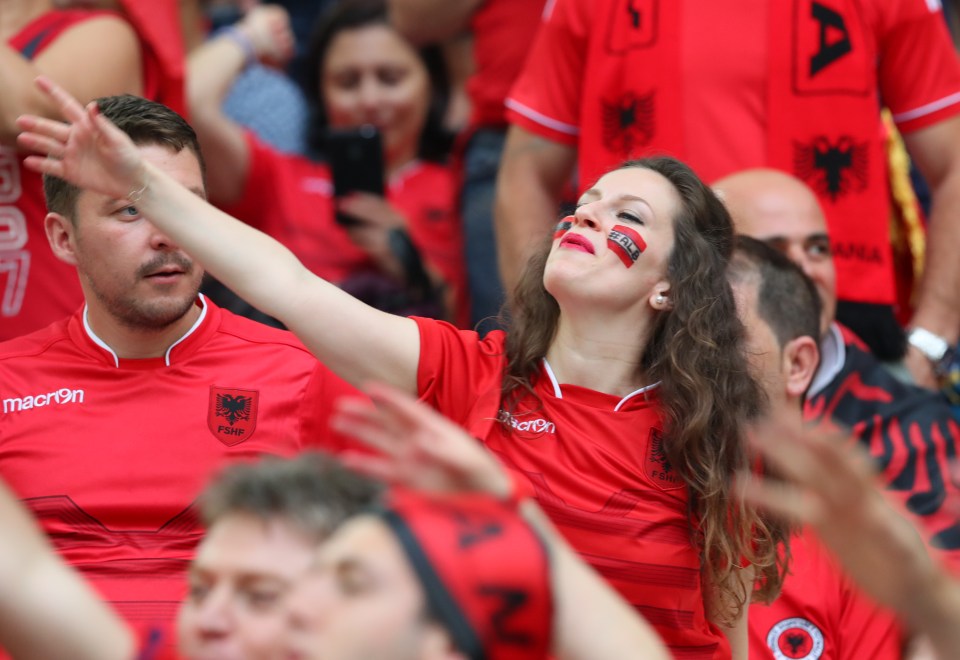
[
  {"x": 211, "y": 71},
  {"x": 356, "y": 341},
  {"x": 422, "y": 449},
  {"x": 46, "y": 610},
  {"x": 832, "y": 489}
]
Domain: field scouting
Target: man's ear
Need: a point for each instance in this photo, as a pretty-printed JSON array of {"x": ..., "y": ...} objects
[
  {"x": 801, "y": 357},
  {"x": 60, "y": 234}
]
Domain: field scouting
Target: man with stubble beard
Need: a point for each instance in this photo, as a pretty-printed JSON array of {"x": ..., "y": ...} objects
[{"x": 114, "y": 417}]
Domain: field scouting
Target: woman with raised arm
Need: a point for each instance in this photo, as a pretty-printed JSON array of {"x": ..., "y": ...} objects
[{"x": 618, "y": 397}]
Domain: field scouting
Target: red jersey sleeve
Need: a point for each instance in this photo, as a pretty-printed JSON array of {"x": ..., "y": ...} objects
[
  {"x": 545, "y": 99},
  {"x": 919, "y": 73},
  {"x": 256, "y": 205},
  {"x": 457, "y": 368}
]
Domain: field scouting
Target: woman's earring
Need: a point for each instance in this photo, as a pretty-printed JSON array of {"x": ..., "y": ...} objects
[{"x": 660, "y": 299}]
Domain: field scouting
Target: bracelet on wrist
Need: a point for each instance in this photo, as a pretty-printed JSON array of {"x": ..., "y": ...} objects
[{"x": 240, "y": 38}]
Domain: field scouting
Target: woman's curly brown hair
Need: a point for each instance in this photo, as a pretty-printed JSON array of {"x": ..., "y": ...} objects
[{"x": 706, "y": 390}]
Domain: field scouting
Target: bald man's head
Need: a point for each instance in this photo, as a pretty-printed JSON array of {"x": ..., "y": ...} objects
[{"x": 780, "y": 210}]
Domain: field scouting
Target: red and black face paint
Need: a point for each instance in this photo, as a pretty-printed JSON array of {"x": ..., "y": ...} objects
[
  {"x": 626, "y": 244},
  {"x": 562, "y": 227}
]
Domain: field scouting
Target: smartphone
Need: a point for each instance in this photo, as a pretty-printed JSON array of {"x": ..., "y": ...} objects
[{"x": 355, "y": 157}]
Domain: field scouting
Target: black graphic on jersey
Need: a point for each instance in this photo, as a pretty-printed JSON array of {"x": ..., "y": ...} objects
[
  {"x": 830, "y": 50},
  {"x": 832, "y": 169},
  {"x": 628, "y": 123},
  {"x": 233, "y": 408},
  {"x": 474, "y": 531},
  {"x": 636, "y": 18},
  {"x": 658, "y": 454},
  {"x": 512, "y": 600},
  {"x": 909, "y": 431},
  {"x": 795, "y": 642}
]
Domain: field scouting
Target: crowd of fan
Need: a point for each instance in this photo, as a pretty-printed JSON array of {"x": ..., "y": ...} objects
[{"x": 479, "y": 329}]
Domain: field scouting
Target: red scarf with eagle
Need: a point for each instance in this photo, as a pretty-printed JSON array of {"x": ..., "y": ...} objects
[{"x": 822, "y": 114}]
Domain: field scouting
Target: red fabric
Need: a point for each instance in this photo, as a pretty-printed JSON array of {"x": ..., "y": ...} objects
[
  {"x": 599, "y": 474},
  {"x": 502, "y": 33},
  {"x": 821, "y": 614},
  {"x": 36, "y": 288},
  {"x": 158, "y": 25},
  {"x": 290, "y": 198},
  {"x": 112, "y": 465},
  {"x": 489, "y": 562},
  {"x": 626, "y": 78}
]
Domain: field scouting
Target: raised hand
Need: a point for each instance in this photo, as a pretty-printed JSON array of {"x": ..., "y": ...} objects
[
  {"x": 88, "y": 151},
  {"x": 832, "y": 488},
  {"x": 418, "y": 447},
  {"x": 268, "y": 28}
]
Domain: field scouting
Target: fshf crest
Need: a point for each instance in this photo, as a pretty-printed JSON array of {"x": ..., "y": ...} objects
[{"x": 232, "y": 414}]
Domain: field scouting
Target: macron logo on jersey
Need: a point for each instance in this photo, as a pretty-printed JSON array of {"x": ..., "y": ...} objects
[
  {"x": 62, "y": 396},
  {"x": 537, "y": 425}
]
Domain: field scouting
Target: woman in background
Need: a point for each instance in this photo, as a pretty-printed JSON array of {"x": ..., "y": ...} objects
[{"x": 400, "y": 252}]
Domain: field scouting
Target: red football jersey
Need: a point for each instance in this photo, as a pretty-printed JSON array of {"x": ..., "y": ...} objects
[
  {"x": 502, "y": 33},
  {"x": 291, "y": 198},
  {"x": 36, "y": 288},
  {"x": 111, "y": 454},
  {"x": 598, "y": 469},
  {"x": 821, "y": 615},
  {"x": 736, "y": 84}
]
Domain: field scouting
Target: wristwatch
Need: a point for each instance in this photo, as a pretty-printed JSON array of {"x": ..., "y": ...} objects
[{"x": 934, "y": 347}]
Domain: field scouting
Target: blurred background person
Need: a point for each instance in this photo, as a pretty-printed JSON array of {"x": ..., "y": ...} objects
[
  {"x": 401, "y": 252},
  {"x": 264, "y": 522},
  {"x": 93, "y": 53},
  {"x": 502, "y": 32}
]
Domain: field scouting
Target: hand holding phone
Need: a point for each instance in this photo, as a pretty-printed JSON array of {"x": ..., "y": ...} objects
[{"x": 355, "y": 157}]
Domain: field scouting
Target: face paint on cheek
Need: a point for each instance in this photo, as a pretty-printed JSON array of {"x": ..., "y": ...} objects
[
  {"x": 561, "y": 228},
  {"x": 626, "y": 244}
]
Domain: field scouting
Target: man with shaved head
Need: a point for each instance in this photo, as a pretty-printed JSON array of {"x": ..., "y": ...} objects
[{"x": 909, "y": 430}]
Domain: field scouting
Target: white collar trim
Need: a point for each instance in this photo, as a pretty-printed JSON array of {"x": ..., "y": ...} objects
[
  {"x": 833, "y": 353},
  {"x": 559, "y": 394},
  {"x": 166, "y": 358}
]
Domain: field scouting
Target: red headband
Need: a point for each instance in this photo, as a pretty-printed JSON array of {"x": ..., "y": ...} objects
[{"x": 483, "y": 569}]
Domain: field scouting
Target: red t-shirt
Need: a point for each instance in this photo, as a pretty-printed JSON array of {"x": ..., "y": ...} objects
[
  {"x": 110, "y": 455},
  {"x": 290, "y": 198},
  {"x": 597, "y": 467},
  {"x": 502, "y": 33},
  {"x": 36, "y": 288},
  {"x": 705, "y": 96},
  {"x": 821, "y": 614}
]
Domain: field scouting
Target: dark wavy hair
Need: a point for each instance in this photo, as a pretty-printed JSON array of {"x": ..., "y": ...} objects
[
  {"x": 707, "y": 394},
  {"x": 435, "y": 140}
]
